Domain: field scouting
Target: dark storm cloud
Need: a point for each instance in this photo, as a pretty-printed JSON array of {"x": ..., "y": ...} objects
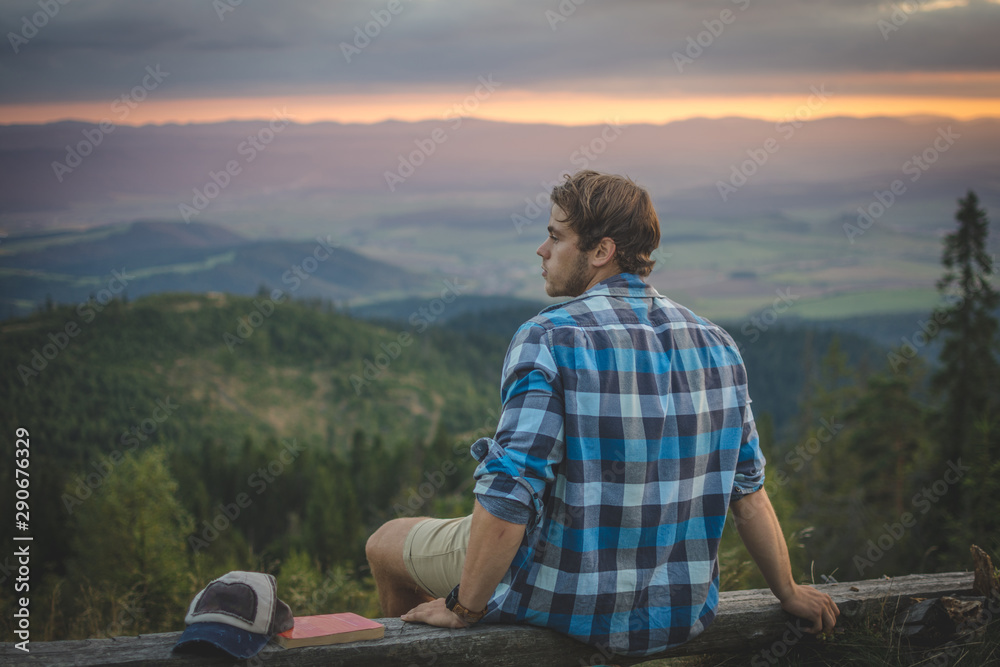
[{"x": 90, "y": 50}]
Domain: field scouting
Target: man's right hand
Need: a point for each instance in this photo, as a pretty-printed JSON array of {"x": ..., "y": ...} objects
[
  {"x": 814, "y": 606},
  {"x": 761, "y": 533}
]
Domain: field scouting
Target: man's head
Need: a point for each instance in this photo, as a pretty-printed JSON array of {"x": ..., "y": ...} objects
[
  {"x": 605, "y": 205},
  {"x": 611, "y": 226}
]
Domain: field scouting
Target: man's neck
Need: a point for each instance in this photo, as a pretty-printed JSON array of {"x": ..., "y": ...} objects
[{"x": 603, "y": 273}]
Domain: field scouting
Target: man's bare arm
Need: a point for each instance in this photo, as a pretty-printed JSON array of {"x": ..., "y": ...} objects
[
  {"x": 761, "y": 533},
  {"x": 493, "y": 543}
]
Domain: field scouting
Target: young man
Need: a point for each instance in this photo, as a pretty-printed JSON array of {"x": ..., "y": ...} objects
[{"x": 626, "y": 435}]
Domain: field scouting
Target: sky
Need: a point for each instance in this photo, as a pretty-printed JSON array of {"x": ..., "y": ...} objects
[{"x": 571, "y": 62}]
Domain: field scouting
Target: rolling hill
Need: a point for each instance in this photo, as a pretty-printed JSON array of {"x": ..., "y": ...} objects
[{"x": 140, "y": 258}]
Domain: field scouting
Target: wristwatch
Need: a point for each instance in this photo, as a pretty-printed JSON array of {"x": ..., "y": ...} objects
[{"x": 469, "y": 617}]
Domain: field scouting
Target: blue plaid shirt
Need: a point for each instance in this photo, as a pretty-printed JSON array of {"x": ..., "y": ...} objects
[{"x": 626, "y": 430}]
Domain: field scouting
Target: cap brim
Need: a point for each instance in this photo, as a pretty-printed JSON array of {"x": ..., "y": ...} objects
[{"x": 234, "y": 641}]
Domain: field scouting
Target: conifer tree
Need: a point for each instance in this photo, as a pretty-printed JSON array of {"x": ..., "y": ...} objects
[
  {"x": 129, "y": 546},
  {"x": 889, "y": 426},
  {"x": 820, "y": 477},
  {"x": 969, "y": 375},
  {"x": 886, "y": 443}
]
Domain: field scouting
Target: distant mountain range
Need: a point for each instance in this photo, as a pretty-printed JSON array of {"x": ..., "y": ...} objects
[
  {"x": 748, "y": 207},
  {"x": 150, "y": 257},
  {"x": 341, "y": 172}
]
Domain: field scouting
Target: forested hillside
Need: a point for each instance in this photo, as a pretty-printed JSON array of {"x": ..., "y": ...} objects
[{"x": 179, "y": 436}]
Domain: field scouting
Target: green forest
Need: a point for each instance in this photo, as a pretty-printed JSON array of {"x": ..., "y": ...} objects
[{"x": 179, "y": 436}]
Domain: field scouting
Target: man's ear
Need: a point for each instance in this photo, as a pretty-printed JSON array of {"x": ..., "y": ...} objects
[{"x": 604, "y": 252}]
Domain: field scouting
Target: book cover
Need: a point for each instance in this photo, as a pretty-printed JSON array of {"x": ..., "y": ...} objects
[{"x": 329, "y": 629}]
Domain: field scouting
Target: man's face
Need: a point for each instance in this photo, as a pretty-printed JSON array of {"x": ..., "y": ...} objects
[{"x": 566, "y": 270}]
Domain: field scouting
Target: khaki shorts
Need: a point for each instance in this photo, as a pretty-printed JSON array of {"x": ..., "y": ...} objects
[{"x": 434, "y": 553}]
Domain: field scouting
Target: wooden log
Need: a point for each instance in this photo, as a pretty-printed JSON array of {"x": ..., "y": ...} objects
[{"x": 747, "y": 621}]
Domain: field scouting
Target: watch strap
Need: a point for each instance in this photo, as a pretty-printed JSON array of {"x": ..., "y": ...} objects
[{"x": 468, "y": 616}]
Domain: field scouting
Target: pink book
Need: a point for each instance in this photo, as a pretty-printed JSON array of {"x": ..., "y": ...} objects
[{"x": 329, "y": 629}]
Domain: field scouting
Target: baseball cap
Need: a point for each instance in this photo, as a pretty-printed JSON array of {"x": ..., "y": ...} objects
[{"x": 238, "y": 613}]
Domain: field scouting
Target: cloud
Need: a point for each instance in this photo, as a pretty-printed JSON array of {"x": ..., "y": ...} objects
[{"x": 93, "y": 50}]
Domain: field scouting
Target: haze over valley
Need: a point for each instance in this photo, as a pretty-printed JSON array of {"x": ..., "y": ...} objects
[{"x": 844, "y": 214}]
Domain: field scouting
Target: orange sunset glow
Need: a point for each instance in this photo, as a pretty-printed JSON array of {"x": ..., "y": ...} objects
[{"x": 516, "y": 106}]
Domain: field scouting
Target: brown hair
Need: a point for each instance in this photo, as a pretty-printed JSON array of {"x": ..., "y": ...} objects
[{"x": 605, "y": 205}]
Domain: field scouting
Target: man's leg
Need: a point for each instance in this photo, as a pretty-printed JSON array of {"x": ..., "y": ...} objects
[
  {"x": 417, "y": 560},
  {"x": 397, "y": 592}
]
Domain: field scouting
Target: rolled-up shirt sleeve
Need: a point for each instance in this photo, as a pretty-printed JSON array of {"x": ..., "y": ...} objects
[
  {"x": 519, "y": 462},
  {"x": 750, "y": 464}
]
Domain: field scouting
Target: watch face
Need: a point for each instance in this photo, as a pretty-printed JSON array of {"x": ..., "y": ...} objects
[{"x": 452, "y": 599}]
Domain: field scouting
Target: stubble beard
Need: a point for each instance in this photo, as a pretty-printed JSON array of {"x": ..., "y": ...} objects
[{"x": 575, "y": 283}]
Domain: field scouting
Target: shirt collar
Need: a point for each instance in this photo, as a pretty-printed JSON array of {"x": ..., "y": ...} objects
[{"x": 622, "y": 285}]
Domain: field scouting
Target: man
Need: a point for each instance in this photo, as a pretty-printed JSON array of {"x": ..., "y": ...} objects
[{"x": 626, "y": 434}]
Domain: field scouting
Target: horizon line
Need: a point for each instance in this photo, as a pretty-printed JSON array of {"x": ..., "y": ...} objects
[
  {"x": 512, "y": 106},
  {"x": 916, "y": 115}
]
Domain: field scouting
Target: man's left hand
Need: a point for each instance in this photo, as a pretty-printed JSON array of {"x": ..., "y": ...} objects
[{"x": 434, "y": 613}]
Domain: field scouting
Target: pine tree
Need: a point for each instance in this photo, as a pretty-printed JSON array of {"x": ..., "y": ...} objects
[
  {"x": 970, "y": 371},
  {"x": 129, "y": 544},
  {"x": 889, "y": 427},
  {"x": 820, "y": 477}
]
